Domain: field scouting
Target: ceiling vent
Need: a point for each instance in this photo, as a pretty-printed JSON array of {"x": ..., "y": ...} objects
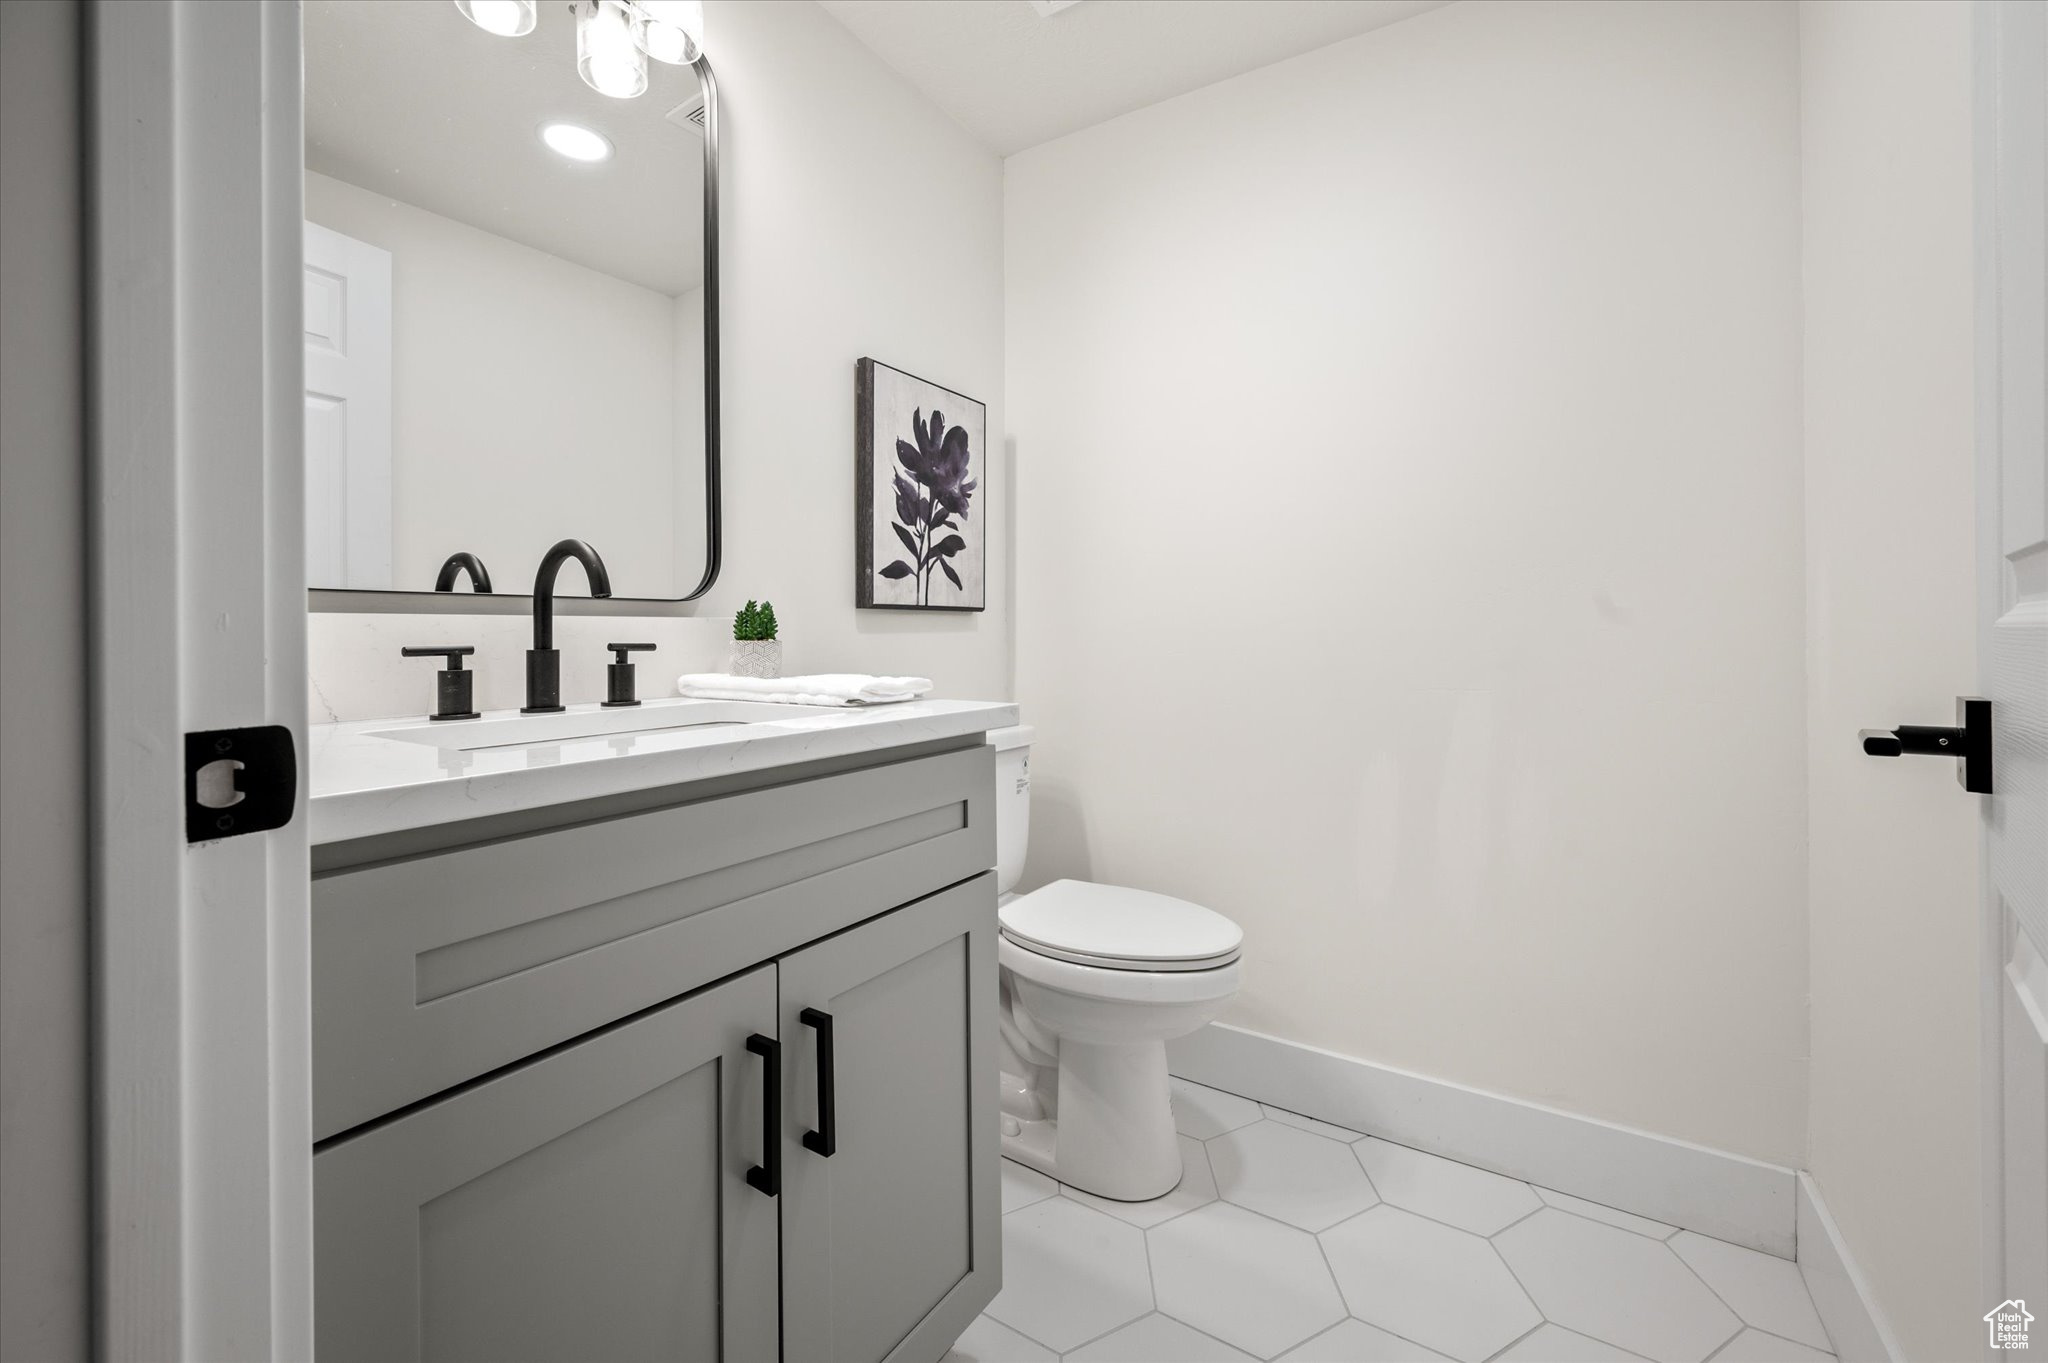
[{"x": 690, "y": 113}]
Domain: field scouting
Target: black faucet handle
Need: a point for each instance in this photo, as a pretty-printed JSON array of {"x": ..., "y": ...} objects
[
  {"x": 454, "y": 691},
  {"x": 619, "y": 676},
  {"x": 454, "y": 653}
]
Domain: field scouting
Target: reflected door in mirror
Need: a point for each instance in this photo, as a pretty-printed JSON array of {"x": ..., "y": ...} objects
[{"x": 348, "y": 410}]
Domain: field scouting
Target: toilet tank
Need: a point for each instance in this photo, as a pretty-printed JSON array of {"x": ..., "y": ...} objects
[{"x": 1013, "y": 802}]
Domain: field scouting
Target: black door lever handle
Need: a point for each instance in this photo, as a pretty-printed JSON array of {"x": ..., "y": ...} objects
[{"x": 1969, "y": 740}]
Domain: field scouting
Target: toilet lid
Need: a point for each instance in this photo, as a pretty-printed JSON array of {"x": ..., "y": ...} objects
[{"x": 1122, "y": 929}]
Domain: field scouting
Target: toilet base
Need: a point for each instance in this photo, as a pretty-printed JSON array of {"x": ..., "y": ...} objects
[{"x": 1112, "y": 1134}]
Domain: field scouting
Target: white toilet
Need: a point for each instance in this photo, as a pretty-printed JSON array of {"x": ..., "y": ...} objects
[{"x": 1096, "y": 979}]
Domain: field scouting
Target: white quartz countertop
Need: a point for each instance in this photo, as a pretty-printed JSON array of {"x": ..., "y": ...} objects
[{"x": 365, "y": 783}]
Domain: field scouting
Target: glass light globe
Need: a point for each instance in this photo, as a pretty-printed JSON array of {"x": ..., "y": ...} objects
[
  {"x": 671, "y": 31},
  {"x": 607, "y": 57},
  {"x": 506, "y": 18}
]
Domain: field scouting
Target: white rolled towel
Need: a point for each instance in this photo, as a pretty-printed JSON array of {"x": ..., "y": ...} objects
[{"x": 820, "y": 688}]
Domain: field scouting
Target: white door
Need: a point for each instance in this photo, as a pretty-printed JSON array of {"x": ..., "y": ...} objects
[
  {"x": 203, "y": 1113},
  {"x": 348, "y": 411},
  {"x": 2012, "y": 492}
]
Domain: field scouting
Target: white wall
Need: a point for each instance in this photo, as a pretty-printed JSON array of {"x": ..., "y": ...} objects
[
  {"x": 1410, "y": 544},
  {"x": 45, "y": 1137},
  {"x": 1891, "y": 599},
  {"x": 527, "y": 393},
  {"x": 861, "y": 221},
  {"x": 858, "y": 220}
]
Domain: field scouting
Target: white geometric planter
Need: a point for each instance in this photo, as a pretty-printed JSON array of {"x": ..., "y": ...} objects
[{"x": 757, "y": 657}]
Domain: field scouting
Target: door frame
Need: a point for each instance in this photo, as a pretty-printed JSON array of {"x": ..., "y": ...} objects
[
  {"x": 202, "y": 1122},
  {"x": 1996, "y": 78}
]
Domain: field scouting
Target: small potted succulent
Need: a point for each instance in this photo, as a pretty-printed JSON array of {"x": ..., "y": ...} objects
[{"x": 756, "y": 652}]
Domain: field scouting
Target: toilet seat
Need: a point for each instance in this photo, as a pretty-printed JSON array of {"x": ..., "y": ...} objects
[
  {"x": 1121, "y": 984},
  {"x": 1111, "y": 927}
]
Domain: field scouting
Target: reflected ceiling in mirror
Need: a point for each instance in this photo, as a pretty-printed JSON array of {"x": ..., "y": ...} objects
[{"x": 506, "y": 320}]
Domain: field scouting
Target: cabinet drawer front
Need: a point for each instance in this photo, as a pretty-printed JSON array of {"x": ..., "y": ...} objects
[
  {"x": 593, "y": 1204},
  {"x": 435, "y": 969}
]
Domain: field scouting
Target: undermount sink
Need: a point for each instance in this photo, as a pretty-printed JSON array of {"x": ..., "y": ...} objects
[{"x": 511, "y": 730}]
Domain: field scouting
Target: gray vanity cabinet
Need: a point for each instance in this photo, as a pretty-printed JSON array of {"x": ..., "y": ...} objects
[
  {"x": 593, "y": 1204},
  {"x": 542, "y": 1062},
  {"x": 891, "y": 1242}
]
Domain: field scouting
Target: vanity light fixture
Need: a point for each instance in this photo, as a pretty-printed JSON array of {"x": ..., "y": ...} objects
[
  {"x": 614, "y": 38},
  {"x": 576, "y": 142},
  {"x": 670, "y": 31},
  {"x": 506, "y": 18},
  {"x": 607, "y": 55}
]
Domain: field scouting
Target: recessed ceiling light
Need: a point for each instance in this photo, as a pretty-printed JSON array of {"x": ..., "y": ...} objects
[{"x": 576, "y": 142}]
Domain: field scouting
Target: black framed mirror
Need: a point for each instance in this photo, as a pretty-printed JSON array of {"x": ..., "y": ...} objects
[{"x": 512, "y": 309}]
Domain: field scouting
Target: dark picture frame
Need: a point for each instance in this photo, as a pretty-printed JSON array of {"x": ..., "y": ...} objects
[{"x": 920, "y": 493}]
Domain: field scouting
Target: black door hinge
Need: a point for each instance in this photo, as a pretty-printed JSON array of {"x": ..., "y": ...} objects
[{"x": 239, "y": 781}]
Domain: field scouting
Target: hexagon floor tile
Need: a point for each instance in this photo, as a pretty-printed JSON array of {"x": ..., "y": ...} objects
[
  {"x": 1203, "y": 1112},
  {"x": 1754, "y": 1346},
  {"x": 1549, "y": 1343},
  {"x": 1157, "y": 1339},
  {"x": 991, "y": 1341},
  {"x": 1621, "y": 1288},
  {"x": 1764, "y": 1290},
  {"x": 1022, "y": 1186},
  {"x": 1197, "y": 1189},
  {"x": 1353, "y": 1341},
  {"x": 1289, "y": 1174},
  {"x": 1070, "y": 1274},
  {"x": 1455, "y": 1263},
  {"x": 1445, "y": 1190},
  {"x": 1251, "y": 1282},
  {"x": 1429, "y": 1282}
]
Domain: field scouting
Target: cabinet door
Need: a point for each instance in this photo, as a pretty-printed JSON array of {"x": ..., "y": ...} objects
[
  {"x": 892, "y": 1242},
  {"x": 591, "y": 1204}
]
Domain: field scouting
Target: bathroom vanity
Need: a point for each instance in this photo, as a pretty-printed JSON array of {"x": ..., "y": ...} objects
[{"x": 665, "y": 1033}]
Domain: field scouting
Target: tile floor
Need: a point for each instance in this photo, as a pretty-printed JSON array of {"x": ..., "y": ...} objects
[{"x": 1297, "y": 1240}]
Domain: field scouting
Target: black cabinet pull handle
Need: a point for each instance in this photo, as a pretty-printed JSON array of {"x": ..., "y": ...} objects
[
  {"x": 767, "y": 1175},
  {"x": 825, "y": 1139}
]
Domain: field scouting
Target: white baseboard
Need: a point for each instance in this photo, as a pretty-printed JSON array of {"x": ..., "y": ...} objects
[
  {"x": 1838, "y": 1289},
  {"x": 1710, "y": 1191}
]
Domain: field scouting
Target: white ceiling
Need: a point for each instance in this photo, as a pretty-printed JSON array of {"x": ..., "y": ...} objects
[
  {"x": 415, "y": 102},
  {"x": 1014, "y": 79}
]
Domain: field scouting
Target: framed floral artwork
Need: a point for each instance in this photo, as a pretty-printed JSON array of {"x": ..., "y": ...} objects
[{"x": 920, "y": 501}]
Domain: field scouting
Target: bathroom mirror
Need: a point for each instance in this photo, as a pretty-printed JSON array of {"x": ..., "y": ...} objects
[{"x": 511, "y": 305}]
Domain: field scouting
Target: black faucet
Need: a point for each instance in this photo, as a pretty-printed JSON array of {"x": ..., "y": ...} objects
[
  {"x": 479, "y": 576},
  {"x": 544, "y": 660}
]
